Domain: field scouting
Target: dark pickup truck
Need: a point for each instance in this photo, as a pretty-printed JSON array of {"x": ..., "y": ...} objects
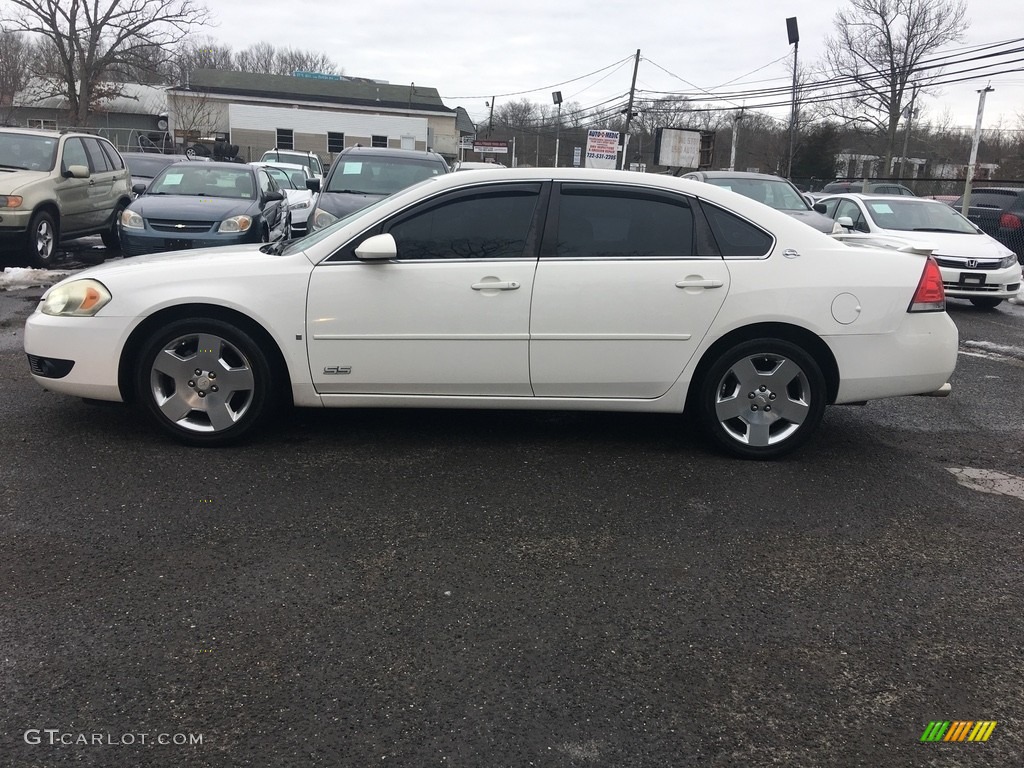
[{"x": 999, "y": 211}]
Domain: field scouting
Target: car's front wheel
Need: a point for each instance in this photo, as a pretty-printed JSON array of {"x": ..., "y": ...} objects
[
  {"x": 112, "y": 237},
  {"x": 43, "y": 237},
  {"x": 204, "y": 381},
  {"x": 983, "y": 302},
  {"x": 761, "y": 399}
]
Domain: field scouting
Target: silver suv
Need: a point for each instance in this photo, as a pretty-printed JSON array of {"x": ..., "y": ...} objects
[{"x": 58, "y": 186}]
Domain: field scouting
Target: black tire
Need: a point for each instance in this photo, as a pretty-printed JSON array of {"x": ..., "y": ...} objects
[
  {"x": 986, "y": 303},
  {"x": 235, "y": 379},
  {"x": 761, "y": 399},
  {"x": 43, "y": 238},
  {"x": 112, "y": 237}
]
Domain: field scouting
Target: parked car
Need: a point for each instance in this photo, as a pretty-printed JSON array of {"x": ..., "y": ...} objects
[
  {"x": 773, "y": 191},
  {"x": 144, "y": 166},
  {"x": 869, "y": 188},
  {"x": 534, "y": 288},
  {"x": 360, "y": 176},
  {"x": 292, "y": 180},
  {"x": 57, "y": 186},
  {"x": 296, "y": 157},
  {"x": 974, "y": 266},
  {"x": 200, "y": 205},
  {"x": 999, "y": 212}
]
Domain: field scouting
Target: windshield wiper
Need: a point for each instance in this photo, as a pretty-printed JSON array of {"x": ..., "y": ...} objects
[
  {"x": 350, "y": 192},
  {"x": 15, "y": 167},
  {"x": 941, "y": 229},
  {"x": 274, "y": 248}
]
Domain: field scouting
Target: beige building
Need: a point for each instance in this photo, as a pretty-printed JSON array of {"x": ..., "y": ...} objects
[{"x": 320, "y": 113}]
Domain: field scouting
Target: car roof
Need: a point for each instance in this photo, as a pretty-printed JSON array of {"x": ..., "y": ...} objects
[
  {"x": 388, "y": 152},
  {"x": 880, "y": 198},
  {"x": 736, "y": 175}
]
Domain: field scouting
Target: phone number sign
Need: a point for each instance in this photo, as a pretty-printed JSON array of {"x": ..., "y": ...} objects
[{"x": 602, "y": 149}]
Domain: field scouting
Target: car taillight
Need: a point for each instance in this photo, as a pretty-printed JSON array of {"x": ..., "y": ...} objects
[
  {"x": 929, "y": 296},
  {"x": 1009, "y": 221}
]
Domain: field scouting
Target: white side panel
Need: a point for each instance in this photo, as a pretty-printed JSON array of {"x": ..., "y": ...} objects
[{"x": 321, "y": 121}]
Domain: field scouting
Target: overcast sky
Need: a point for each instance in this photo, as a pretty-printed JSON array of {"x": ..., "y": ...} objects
[{"x": 471, "y": 51}]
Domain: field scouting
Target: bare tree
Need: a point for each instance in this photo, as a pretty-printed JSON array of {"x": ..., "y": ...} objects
[
  {"x": 880, "y": 49},
  {"x": 15, "y": 51},
  {"x": 201, "y": 52},
  {"x": 258, "y": 58},
  {"x": 89, "y": 39}
]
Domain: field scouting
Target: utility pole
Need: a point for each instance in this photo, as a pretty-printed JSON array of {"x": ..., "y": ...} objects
[
  {"x": 735, "y": 139},
  {"x": 629, "y": 108},
  {"x": 974, "y": 150},
  {"x": 906, "y": 133},
  {"x": 490, "y": 122},
  {"x": 556, "y": 97}
]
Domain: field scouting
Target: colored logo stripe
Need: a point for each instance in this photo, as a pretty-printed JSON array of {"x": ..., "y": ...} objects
[
  {"x": 958, "y": 730},
  {"x": 935, "y": 730}
]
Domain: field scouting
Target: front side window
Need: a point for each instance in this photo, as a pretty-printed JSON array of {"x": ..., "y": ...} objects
[
  {"x": 851, "y": 209},
  {"x": 596, "y": 223},
  {"x": 74, "y": 154},
  {"x": 490, "y": 224},
  {"x": 281, "y": 178}
]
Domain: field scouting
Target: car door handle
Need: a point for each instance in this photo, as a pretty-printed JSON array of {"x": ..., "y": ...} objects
[
  {"x": 700, "y": 284},
  {"x": 509, "y": 285}
]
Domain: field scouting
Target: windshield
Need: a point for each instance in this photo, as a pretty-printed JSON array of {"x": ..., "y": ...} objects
[
  {"x": 380, "y": 175},
  {"x": 27, "y": 152},
  {"x": 918, "y": 216},
  {"x": 281, "y": 156},
  {"x": 775, "y": 193},
  {"x": 202, "y": 181}
]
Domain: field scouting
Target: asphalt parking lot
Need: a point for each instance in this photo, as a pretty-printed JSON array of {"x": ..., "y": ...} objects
[{"x": 512, "y": 589}]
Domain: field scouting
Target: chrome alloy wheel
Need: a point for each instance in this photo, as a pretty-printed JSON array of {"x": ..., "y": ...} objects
[
  {"x": 762, "y": 399},
  {"x": 202, "y": 383}
]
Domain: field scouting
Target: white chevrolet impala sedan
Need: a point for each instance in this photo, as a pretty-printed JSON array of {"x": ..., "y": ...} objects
[{"x": 543, "y": 288}]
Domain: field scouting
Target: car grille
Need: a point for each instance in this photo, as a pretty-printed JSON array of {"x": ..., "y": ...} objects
[
  {"x": 962, "y": 263},
  {"x": 170, "y": 225},
  {"x": 987, "y": 288}
]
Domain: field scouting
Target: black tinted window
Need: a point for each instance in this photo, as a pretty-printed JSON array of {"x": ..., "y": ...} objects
[
  {"x": 112, "y": 155},
  {"x": 98, "y": 160},
  {"x": 736, "y": 236},
  {"x": 619, "y": 223},
  {"x": 488, "y": 225}
]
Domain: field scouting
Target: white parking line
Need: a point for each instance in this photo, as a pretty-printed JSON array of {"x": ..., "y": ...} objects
[{"x": 989, "y": 481}]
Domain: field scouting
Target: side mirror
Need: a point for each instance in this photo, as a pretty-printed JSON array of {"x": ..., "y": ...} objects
[
  {"x": 845, "y": 222},
  {"x": 138, "y": 189},
  {"x": 820, "y": 208},
  {"x": 377, "y": 248},
  {"x": 76, "y": 172},
  {"x": 275, "y": 195},
  {"x": 313, "y": 185}
]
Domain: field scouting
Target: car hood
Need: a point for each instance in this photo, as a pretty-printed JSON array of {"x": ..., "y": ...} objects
[
  {"x": 814, "y": 219},
  {"x": 955, "y": 244},
  {"x": 192, "y": 208},
  {"x": 343, "y": 203},
  {"x": 11, "y": 181}
]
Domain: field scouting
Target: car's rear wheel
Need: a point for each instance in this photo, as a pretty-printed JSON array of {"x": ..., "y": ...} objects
[
  {"x": 204, "y": 381},
  {"x": 985, "y": 303},
  {"x": 112, "y": 237},
  {"x": 761, "y": 399},
  {"x": 43, "y": 237}
]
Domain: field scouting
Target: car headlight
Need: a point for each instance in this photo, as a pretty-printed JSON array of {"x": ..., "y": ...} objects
[
  {"x": 79, "y": 298},
  {"x": 322, "y": 218},
  {"x": 235, "y": 224},
  {"x": 1008, "y": 261},
  {"x": 299, "y": 206},
  {"x": 11, "y": 201},
  {"x": 130, "y": 219}
]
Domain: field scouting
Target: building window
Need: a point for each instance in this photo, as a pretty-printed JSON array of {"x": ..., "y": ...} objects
[
  {"x": 379, "y": 141},
  {"x": 46, "y": 125},
  {"x": 285, "y": 139},
  {"x": 335, "y": 142}
]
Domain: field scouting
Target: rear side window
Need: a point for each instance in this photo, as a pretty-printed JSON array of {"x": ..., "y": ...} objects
[
  {"x": 616, "y": 223},
  {"x": 98, "y": 160},
  {"x": 490, "y": 224},
  {"x": 736, "y": 236},
  {"x": 115, "y": 159}
]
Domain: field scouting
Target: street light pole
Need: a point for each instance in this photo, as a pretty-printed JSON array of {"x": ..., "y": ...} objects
[
  {"x": 974, "y": 150},
  {"x": 794, "y": 40},
  {"x": 556, "y": 97}
]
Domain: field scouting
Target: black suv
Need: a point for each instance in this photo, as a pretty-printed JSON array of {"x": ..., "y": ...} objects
[
  {"x": 363, "y": 175},
  {"x": 999, "y": 211}
]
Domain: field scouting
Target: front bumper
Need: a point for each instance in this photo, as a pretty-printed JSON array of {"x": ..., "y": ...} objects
[
  {"x": 139, "y": 242},
  {"x": 962, "y": 282}
]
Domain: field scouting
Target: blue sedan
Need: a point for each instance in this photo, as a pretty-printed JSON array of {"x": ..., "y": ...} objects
[{"x": 202, "y": 205}]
